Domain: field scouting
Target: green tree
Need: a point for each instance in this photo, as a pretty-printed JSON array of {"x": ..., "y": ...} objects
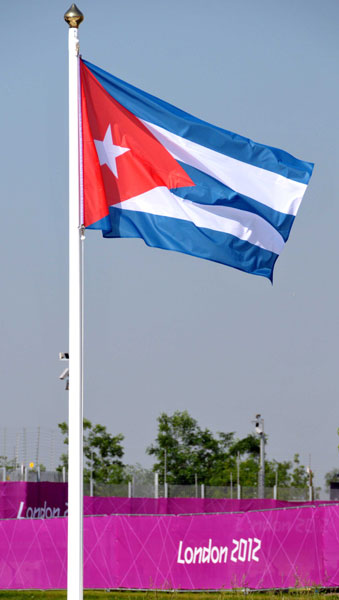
[
  {"x": 187, "y": 449},
  {"x": 299, "y": 475},
  {"x": 246, "y": 451},
  {"x": 139, "y": 473},
  {"x": 10, "y": 464},
  {"x": 277, "y": 471},
  {"x": 286, "y": 473},
  {"x": 102, "y": 451}
]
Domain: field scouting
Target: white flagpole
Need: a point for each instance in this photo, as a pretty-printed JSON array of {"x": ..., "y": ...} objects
[{"x": 75, "y": 419}]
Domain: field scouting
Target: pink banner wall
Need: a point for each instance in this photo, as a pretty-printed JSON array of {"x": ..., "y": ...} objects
[
  {"x": 175, "y": 506},
  {"x": 49, "y": 500},
  {"x": 19, "y": 500},
  {"x": 293, "y": 547}
]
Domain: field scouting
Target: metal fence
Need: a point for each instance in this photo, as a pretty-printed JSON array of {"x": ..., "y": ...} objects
[
  {"x": 27, "y": 445},
  {"x": 120, "y": 490},
  {"x": 149, "y": 487},
  {"x": 26, "y": 474},
  {"x": 141, "y": 490}
]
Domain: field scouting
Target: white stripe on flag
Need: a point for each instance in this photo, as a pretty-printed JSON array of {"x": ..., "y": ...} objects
[
  {"x": 273, "y": 190},
  {"x": 244, "y": 225}
]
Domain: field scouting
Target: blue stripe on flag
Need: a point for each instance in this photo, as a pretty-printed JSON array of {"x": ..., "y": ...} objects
[
  {"x": 208, "y": 190},
  {"x": 184, "y": 236},
  {"x": 152, "y": 109},
  {"x": 102, "y": 225}
]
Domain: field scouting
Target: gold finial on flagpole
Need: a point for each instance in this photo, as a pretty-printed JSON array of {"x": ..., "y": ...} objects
[{"x": 73, "y": 16}]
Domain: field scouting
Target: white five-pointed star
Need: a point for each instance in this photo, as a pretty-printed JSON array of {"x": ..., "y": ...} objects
[{"x": 108, "y": 152}]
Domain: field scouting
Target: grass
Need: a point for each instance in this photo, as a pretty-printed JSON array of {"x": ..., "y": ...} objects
[{"x": 312, "y": 593}]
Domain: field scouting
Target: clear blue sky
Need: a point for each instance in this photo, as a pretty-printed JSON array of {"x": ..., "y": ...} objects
[{"x": 165, "y": 331}]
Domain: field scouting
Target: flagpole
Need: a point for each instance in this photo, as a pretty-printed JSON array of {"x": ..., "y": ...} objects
[{"x": 75, "y": 415}]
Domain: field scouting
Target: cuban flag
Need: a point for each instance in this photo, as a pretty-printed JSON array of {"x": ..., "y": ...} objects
[{"x": 151, "y": 171}]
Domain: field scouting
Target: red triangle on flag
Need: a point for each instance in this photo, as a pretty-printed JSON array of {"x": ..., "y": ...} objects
[{"x": 121, "y": 157}]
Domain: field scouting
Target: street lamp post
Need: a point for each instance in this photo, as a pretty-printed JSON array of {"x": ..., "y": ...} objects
[{"x": 259, "y": 429}]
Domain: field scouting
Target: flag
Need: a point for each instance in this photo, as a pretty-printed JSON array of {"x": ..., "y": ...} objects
[{"x": 150, "y": 170}]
